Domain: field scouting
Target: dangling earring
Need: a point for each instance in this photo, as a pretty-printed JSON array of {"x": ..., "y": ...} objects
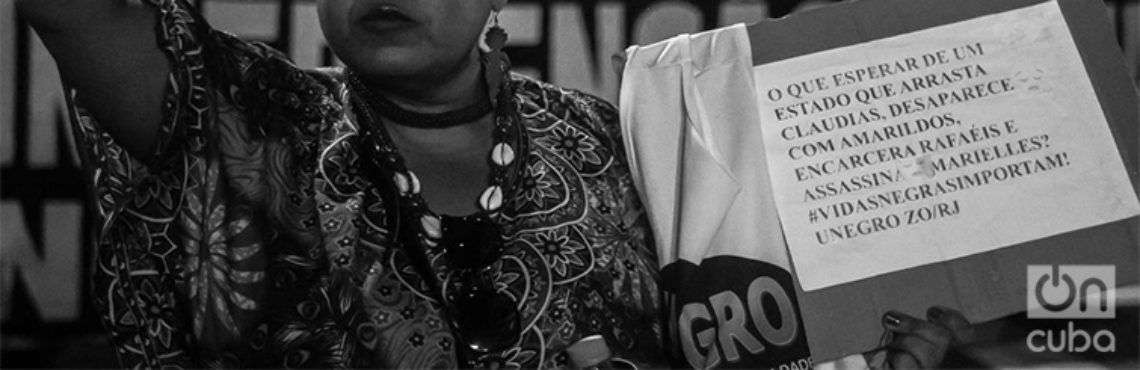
[{"x": 496, "y": 64}]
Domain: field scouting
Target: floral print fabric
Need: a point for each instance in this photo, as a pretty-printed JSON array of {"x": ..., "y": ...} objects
[{"x": 252, "y": 239}]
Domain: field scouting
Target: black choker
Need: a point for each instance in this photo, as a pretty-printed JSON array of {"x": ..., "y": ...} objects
[{"x": 390, "y": 110}]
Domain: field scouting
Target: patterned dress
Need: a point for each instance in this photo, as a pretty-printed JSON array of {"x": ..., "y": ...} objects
[{"x": 251, "y": 238}]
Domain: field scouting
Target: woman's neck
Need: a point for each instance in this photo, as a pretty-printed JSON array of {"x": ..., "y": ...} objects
[
  {"x": 461, "y": 87},
  {"x": 446, "y": 160}
]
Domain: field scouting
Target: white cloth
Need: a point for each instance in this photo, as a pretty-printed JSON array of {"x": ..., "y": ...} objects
[
  {"x": 691, "y": 129},
  {"x": 692, "y": 134}
]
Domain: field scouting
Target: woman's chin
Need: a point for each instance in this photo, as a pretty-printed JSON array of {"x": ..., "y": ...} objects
[{"x": 389, "y": 61}]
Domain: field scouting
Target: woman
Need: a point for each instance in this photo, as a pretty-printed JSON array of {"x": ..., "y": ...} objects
[{"x": 422, "y": 207}]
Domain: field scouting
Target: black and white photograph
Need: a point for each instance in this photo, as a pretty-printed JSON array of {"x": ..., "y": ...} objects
[{"x": 558, "y": 184}]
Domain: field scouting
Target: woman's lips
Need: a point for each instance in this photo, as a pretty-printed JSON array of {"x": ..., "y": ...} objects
[{"x": 386, "y": 18}]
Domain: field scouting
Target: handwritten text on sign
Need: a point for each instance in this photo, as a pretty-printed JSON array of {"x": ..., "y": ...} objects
[{"x": 937, "y": 144}]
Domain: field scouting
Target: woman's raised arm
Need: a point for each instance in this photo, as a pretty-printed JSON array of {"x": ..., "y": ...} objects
[{"x": 106, "y": 50}]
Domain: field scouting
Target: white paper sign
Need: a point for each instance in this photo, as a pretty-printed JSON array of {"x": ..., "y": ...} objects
[{"x": 937, "y": 144}]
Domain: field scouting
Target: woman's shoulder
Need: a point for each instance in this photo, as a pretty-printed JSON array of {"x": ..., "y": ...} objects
[
  {"x": 545, "y": 92},
  {"x": 575, "y": 107},
  {"x": 583, "y": 127}
]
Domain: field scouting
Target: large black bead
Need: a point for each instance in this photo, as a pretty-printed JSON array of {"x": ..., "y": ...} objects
[
  {"x": 486, "y": 321},
  {"x": 472, "y": 242}
]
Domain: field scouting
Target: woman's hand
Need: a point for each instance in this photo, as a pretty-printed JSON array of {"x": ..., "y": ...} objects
[{"x": 916, "y": 343}]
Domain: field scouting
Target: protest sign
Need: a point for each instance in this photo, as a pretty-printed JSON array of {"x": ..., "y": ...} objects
[
  {"x": 937, "y": 144},
  {"x": 1054, "y": 110}
]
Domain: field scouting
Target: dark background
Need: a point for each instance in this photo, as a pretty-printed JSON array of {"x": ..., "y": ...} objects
[{"x": 46, "y": 316}]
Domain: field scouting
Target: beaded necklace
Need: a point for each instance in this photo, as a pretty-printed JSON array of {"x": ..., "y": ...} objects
[{"x": 422, "y": 240}]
